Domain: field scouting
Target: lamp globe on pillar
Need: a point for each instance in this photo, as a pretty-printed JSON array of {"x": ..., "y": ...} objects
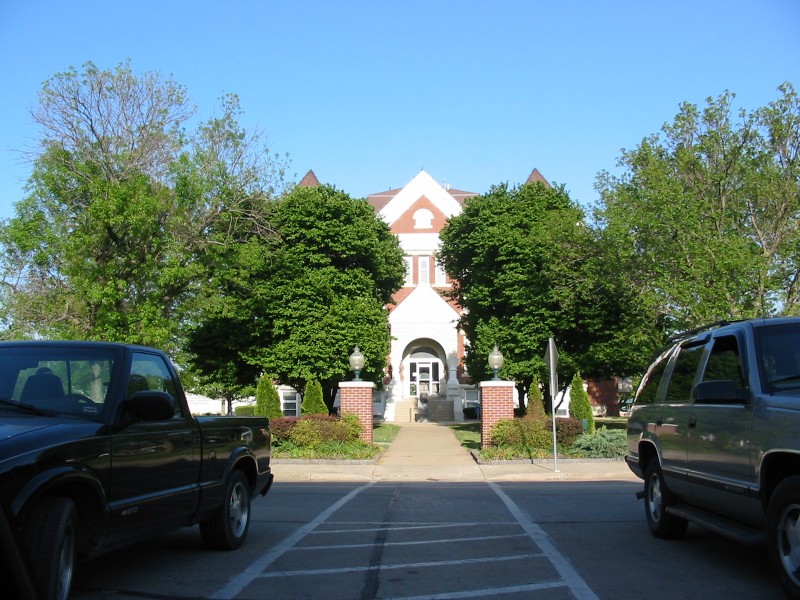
[
  {"x": 496, "y": 361},
  {"x": 356, "y": 363}
]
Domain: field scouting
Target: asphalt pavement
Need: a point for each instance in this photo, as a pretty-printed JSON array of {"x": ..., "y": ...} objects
[{"x": 431, "y": 452}]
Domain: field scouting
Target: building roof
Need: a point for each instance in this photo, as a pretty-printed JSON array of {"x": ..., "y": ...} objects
[
  {"x": 537, "y": 176},
  {"x": 310, "y": 180}
]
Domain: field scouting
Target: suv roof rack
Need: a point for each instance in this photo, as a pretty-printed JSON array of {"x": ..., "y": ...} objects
[{"x": 689, "y": 332}]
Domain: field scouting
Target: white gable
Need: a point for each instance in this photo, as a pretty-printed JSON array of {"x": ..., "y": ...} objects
[
  {"x": 422, "y": 185},
  {"x": 423, "y": 308}
]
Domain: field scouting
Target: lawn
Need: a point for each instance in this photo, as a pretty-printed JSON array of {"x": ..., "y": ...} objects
[
  {"x": 384, "y": 433},
  {"x": 468, "y": 434}
]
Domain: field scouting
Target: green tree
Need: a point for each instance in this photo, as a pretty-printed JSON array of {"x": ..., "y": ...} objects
[
  {"x": 579, "y": 405},
  {"x": 268, "y": 402},
  {"x": 295, "y": 304},
  {"x": 112, "y": 240},
  {"x": 313, "y": 403},
  {"x": 527, "y": 268},
  {"x": 703, "y": 217}
]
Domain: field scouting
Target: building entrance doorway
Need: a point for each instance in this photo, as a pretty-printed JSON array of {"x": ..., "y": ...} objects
[{"x": 425, "y": 371}]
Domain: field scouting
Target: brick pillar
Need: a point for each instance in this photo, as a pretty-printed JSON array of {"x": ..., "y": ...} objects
[
  {"x": 497, "y": 402},
  {"x": 355, "y": 397}
]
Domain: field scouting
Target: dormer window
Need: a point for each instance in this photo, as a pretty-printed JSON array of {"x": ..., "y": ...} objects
[{"x": 423, "y": 219}]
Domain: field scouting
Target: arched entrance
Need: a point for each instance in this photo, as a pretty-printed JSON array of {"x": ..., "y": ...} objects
[
  {"x": 424, "y": 382},
  {"x": 424, "y": 373}
]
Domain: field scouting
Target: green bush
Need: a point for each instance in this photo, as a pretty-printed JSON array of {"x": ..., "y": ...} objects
[
  {"x": 248, "y": 410},
  {"x": 535, "y": 401},
  {"x": 526, "y": 436},
  {"x": 281, "y": 427},
  {"x": 313, "y": 404},
  {"x": 579, "y": 406},
  {"x": 268, "y": 402},
  {"x": 567, "y": 430},
  {"x": 604, "y": 443},
  {"x": 315, "y": 430}
]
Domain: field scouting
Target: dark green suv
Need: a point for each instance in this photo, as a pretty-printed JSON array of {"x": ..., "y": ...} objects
[{"x": 714, "y": 432}]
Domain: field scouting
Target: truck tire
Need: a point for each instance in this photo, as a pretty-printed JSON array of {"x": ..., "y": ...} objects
[
  {"x": 51, "y": 528},
  {"x": 227, "y": 528},
  {"x": 783, "y": 534},
  {"x": 657, "y": 498}
]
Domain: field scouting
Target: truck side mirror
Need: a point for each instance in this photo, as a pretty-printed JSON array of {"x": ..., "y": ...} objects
[
  {"x": 723, "y": 391},
  {"x": 151, "y": 405}
]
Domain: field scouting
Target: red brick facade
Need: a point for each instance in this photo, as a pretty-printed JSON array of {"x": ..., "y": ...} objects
[
  {"x": 355, "y": 397},
  {"x": 497, "y": 403}
]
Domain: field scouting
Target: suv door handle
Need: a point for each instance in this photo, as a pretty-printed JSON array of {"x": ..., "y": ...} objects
[{"x": 692, "y": 422}]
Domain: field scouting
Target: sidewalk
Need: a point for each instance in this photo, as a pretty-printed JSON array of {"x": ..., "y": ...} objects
[{"x": 431, "y": 452}]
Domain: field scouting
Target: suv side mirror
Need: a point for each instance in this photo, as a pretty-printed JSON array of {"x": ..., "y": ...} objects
[
  {"x": 151, "y": 405},
  {"x": 722, "y": 391}
]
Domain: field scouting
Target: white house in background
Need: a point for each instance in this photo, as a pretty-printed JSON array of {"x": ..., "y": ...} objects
[{"x": 426, "y": 378}]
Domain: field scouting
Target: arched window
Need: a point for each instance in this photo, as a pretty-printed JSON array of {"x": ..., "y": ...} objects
[{"x": 423, "y": 219}]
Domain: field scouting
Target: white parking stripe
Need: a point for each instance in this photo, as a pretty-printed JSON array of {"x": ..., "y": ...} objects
[
  {"x": 486, "y": 593},
  {"x": 417, "y": 565},
  {"x": 481, "y": 538},
  {"x": 575, "y": 582},
  {"x": 243, "y": 579}
]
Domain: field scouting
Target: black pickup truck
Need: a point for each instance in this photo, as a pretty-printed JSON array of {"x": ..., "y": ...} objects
[{"x": 98, "y": 449}]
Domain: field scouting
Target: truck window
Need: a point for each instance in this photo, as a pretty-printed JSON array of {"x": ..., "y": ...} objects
[
  {"x": 779, "y": 348},
  {"x": 149, "y": 372},
  {"x": 648, "y": 388},
  {"x": 683, "y": 374},
  {"x": 724, "y": 362}
]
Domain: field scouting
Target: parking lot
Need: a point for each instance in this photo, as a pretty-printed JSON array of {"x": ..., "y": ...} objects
[{"x": 350, "y": 540}]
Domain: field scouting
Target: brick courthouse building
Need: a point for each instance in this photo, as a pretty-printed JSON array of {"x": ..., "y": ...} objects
[{"x": 426, "y": 375}]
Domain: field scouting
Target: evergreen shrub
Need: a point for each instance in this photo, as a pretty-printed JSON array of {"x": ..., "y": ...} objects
[
  {"x": 247, "y": 410},
  {"x": 604, "y": 443},
  {"x": 313, "y": 404},
  {"x": 579, "y": 406},
  {"x": 268, "y": 402}
]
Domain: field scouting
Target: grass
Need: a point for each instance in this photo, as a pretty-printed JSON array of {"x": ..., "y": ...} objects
[
  {"x": 384, "y": 433},
  {"x": 468, "y": 434},
  {"x": 611, "y": 422}
]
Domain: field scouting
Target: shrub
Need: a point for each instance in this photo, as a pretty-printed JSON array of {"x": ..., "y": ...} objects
[
  {"x": 313, "y": 404},
  {"x": 604, "y": 443},
  {"x": 268, "y": 402},
  {"x": 281, "y": 427},
  {"x": 579, "y": 406},
  {"x": 567, "y": 430},
  {"x": 313, "y": 431},
  {"x": 247, "y": 410},
  {"x": 527, "y": 436},
  {"x": 535, "y": 401}
]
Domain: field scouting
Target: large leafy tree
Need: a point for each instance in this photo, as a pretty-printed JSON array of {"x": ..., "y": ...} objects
[
  {"x": 296, "y": 304},
  {"x": 126, "y": 212},
  {"x": 704, "y": 216},
  {"x": 527, "y": 268}
]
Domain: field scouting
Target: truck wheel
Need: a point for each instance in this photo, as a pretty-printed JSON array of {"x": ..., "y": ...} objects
[
  {"x": 656, "y": 499},
  {"x": 51, "y": 533},
  {"x": 783, "y": 534},
  {"x": 227, "y": 528}
]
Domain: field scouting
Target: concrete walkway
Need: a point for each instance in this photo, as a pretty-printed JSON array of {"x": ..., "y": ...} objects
[{"x": 431, "y": 452}]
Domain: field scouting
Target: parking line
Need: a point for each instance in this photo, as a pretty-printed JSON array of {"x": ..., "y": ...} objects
[
  {"x": 254, "y": 571},
  {"x": 575, "y": 582}
]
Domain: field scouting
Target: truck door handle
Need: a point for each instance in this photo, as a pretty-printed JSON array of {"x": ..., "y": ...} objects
[{"x": 692, "y": 422}]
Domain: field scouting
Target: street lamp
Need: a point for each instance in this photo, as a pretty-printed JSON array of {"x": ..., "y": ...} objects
[
  {"x": 496, "y": 362},
  {"x": 356, "y": 363}
]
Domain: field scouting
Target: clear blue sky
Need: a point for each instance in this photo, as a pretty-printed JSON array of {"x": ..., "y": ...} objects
[{"x": 367, "y": 93}]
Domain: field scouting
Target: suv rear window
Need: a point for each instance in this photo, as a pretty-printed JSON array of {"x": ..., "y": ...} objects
[
  {"x": 683, "y": 374},
  {"x": 779, "y": 348}
]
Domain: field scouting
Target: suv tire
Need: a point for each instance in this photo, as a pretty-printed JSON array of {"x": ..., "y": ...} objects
[
  {"x": 783, "y": 534},
  {"x": 657, "y": 498}
]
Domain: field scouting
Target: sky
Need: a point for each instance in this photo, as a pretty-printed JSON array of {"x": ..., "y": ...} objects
[{"x": 367, "y": 93}]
